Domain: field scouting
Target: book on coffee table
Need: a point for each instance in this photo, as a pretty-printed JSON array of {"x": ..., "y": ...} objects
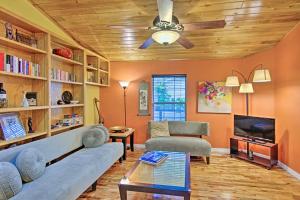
[{"x": 153, "y": 157}]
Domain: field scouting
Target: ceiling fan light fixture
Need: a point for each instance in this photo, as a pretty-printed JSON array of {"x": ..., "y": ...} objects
[{"x": 165, "y": 37}]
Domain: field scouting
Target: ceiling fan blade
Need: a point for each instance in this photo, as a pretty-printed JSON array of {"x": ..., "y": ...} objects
[
  {"x": 147, "y": 43},
  {"x": 204, "y": 25},
  {"x": 165, "y": 10},
  {"x": 129, "y": 27},
  {"x": 185, "y": 43}
]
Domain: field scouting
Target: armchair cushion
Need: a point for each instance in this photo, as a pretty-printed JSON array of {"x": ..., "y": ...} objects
[{"x": 159, "y": 129}]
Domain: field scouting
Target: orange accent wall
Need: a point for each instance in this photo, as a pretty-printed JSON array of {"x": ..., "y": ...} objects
[
  {"x": 280, "y": 98},
  {"x": 221, "y": 125},
  {"x": 287, "y": 98}
]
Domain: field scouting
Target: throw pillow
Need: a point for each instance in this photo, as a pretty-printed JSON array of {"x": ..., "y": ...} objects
[
  {"x": 31, "y": 164},
  {"x": 103, "y": 128},
  {"x": 95, "y": 137},
  {"x": 159, "y": 129},
  {"x": 10, "y": 181}
]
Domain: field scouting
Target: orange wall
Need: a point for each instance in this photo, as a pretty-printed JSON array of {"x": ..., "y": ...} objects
[
  {"x": 287, "y": 95},
  {"x": 279, "y": 99},
  {"x": 221, "y": 125}
]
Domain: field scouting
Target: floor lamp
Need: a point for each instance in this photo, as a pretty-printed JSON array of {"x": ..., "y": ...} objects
[
  {"x": 261, "y": 75},
  {"x": 124, "y": 85}
]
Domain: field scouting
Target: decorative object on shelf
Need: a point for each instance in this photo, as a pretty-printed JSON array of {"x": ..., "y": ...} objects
[
  {"x": 102, "y": 80},
  {"x": 67, "y": 97},
  {"x": 26, "y": 39},
  {"x": 24, "y": 101},
  {"x": 9, "y": 31},
  {"x": 29, "y": 123},
  {"x": 31, "y": 98},
  {"x": 261, "y": 75},
  {"x": 214, "y": 97},
  {"x": 91, "y": 77},
  {"x": 124, "y": 85},
  {"x": 143, "y": 99},
  {"x": 100, "y": 117},
  {"x": 3, "y": 97},
  {"x": 60, "y": 102},
  {"x": 74, "y": 102},
  {"x": 64, "y": 52},
  {"x": 11, "y": 126}
]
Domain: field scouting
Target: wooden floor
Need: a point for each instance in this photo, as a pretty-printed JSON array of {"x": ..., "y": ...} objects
[{"x": 225, "y": 178}]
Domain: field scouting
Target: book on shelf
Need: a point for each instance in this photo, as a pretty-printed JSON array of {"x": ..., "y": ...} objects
[
  {"x": 57, "y": 74},
  {"x": 14, "y": 64},
  {"x": 154, "y": 157}
]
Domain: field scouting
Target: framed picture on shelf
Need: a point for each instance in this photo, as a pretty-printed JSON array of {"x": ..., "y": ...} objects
[{"x": 11, "y": 126}]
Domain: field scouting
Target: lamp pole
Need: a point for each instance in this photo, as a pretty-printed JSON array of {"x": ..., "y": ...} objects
[{"x": 125, "y": 110}]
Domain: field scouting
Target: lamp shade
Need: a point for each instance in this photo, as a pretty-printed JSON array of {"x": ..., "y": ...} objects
[
  {"x": 124, "y": 84},
  {"x": 246, "y": 88},
  {"x": 165, "y": 37},
  {"x": 261, "y": 75},
  {"x": 232, "y": 81}
]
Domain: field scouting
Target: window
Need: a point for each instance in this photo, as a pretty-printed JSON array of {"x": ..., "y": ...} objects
[{"x": 169, "y": 97}]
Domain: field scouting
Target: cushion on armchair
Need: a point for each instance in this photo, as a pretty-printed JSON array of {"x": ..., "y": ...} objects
[{"x": 159, "y": 129}]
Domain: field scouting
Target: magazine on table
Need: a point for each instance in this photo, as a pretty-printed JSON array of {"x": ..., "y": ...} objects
[{"x": 154, "y": 157}]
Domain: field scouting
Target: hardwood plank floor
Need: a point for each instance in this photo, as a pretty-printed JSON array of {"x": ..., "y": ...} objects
[{"x": 225, "y": 178}]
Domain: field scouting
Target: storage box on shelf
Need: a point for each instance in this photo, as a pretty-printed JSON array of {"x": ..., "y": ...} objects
[{"x": 23, "y": 68}]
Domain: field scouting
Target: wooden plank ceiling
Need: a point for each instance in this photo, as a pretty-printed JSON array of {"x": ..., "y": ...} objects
[{"x": 252, "y": 25}]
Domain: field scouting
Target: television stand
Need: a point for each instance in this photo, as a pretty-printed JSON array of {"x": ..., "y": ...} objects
[{"x": 266, "y": 162}]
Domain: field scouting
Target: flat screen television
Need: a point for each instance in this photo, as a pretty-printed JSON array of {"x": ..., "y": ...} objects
[{"x": 255, "y": 128}]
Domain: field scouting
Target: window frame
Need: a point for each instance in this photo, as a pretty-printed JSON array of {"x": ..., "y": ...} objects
[{"x": 169, "y": 75}]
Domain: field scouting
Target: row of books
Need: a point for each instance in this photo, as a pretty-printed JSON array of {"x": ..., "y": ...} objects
[
  {"x": 61, "y": 75},
  {"x": 14, "y": 64},
  {"x": 154, "y": 157}
]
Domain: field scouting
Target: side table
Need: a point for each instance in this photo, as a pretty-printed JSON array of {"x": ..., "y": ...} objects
[{"x": 123, "y": 137}]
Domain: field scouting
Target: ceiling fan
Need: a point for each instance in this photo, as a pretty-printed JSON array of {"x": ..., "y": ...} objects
[{"x": 167, "y": 27}]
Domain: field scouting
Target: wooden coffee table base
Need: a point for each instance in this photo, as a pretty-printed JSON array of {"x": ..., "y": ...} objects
[
  {"x": 138, "y": 188},
  {"x": 172, "y": 177}
]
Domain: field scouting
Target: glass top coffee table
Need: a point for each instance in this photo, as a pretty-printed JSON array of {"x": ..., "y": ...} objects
[{"x": 172, "y": 177}]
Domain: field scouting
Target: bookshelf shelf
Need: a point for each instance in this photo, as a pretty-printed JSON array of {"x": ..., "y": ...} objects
[
  {"x": 94, "y": 84},
  {"x": 91, "y": 68},
  {"x": 103, "y": 71},
  {"x": 66, "y": 82},
  {"x": 20, "y": 109},
  {"x": 65, "y": 128},
  {"x": 22, "y": 75},
  {"x": 19, "y": 46},
  {"x": 66, "y": 60},
  {"x": 28, "y": 136},
  {"x": 67, "y": 106}
]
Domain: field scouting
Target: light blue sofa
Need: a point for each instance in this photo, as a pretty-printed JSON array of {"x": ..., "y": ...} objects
[
  {"x": 68, "y": 178},
  {"x": 185, "y": 137}
]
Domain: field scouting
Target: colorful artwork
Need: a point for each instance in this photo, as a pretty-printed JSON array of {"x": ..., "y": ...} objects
[{"x": 214, "y": 97}]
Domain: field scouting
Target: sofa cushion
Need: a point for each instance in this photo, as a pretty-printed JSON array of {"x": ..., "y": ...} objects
[
  {"x": 159, "y": 129},
  {"x": 10, "y": 181},
  {"x": 103, "y": 128},
  {"x": 95, "y": 137},
  {"x": 31, "y": 164},
  {"x": 70, "y": 177},
  {"x": 195, "y": 146}
]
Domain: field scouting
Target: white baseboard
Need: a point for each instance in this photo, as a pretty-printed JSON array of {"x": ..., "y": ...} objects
[
  {"x": 227, "y": 151},
  {"x": 220, "y": 150},
  {"x": 289, "y": 170}
]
